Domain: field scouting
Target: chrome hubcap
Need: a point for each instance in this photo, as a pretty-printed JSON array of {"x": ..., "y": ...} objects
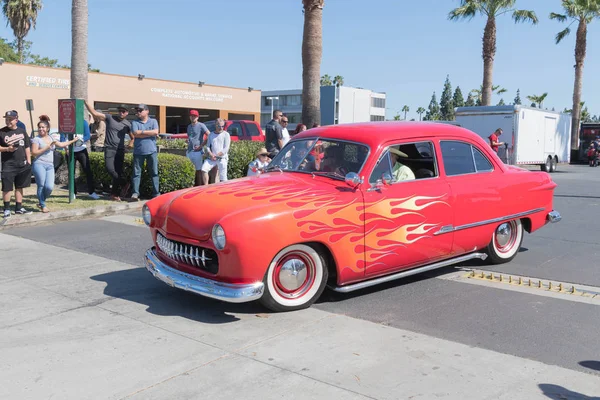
[
  {"x": 503, "y": 234},
  {"x": 292, "y": 274}
]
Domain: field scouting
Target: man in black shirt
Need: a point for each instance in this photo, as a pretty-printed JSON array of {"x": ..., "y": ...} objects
[
  {"x": 274, "y": 134},
  {"x": 15, "y": 147}
]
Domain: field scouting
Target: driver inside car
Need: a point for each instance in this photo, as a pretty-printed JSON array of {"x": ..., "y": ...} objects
[{"x": 400, "y": 172}]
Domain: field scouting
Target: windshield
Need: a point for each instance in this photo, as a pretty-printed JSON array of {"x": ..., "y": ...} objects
[{"x": 329, "y": 157}]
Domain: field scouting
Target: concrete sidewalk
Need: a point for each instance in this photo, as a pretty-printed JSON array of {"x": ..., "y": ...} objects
[{"x": 76, "y": 326}]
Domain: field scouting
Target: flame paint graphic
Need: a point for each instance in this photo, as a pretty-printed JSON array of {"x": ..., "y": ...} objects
[{"x": 376, "y": 229}]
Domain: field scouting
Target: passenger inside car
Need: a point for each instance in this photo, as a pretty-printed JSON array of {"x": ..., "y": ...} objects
[{"x": 400, "y": 172}]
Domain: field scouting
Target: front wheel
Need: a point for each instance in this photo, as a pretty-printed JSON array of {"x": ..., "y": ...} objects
[
  {"x": 506, "y": 242},
  {"x": 295, "y": 279}
]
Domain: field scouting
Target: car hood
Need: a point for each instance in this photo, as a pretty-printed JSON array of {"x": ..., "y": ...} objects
[{"x": 194, "y": 212}]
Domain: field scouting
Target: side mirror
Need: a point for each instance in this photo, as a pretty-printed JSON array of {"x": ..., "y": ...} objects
[
  {"x": 386, "y": 179},
  {"x": 352, "y": 179},
  {"x": 254, "y": 166}
]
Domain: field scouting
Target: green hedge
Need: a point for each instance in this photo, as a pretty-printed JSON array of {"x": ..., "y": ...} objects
[
  {"x": 175, "y": 172},
  {"x": 172, "y": 143}
]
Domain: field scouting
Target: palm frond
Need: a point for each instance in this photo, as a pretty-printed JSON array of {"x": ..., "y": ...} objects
[
  {"x": 525, "y": 16},
  {"x": 562, "y": 34},
  {"x": 467, "y": 11},
  {"x": 558, "y": 17}
]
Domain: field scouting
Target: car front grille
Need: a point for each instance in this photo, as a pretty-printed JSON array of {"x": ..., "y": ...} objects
[{"x": 199, "y": 257}]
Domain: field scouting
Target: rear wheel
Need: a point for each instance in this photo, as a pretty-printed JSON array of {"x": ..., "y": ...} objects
[
  {"x": 295, "y": 279},
  {"x": 547, "y": 167},
  {"x": 506, "y": 242},
  {"x": 554, "y": 164}
]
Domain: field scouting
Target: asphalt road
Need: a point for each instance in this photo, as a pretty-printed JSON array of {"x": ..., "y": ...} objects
[{"x": 552, "y": 330}]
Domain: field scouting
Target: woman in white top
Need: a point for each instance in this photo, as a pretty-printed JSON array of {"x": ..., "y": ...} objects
[{"x": 284, "y": 132}]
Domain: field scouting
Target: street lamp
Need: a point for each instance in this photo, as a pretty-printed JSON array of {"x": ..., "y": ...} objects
[{"x": 272, "y": 98}]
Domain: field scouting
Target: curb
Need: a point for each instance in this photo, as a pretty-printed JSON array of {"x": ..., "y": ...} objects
[{"x": 68, "y": 215}]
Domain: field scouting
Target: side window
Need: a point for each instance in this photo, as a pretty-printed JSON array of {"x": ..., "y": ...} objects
[
  {"x": 235, "y": 129},
  {"x": 482, "y": 164},
  {"x": 458, "y": 158},
  {"x": 382, "y": 167},
  {"x": 252, "y": 130}
]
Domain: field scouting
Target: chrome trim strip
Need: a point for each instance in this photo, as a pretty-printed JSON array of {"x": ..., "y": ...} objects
[
  {"x": 554, "y": 216},
  {"x": 486, "y": 222},
  {"x": 413, "y": 271},
  {"x": 231, "y": 293}
]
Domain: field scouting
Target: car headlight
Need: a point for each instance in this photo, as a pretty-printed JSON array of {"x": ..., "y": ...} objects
[
  {"x": 218, "y": 237},
  {"x": 146, "y": 215}
]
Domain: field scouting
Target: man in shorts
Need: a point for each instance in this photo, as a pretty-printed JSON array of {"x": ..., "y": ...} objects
[
  {"x": 217, "y": 149},
  {"x": 197, "y": 134},
  {"x": 15, "y": 146}
]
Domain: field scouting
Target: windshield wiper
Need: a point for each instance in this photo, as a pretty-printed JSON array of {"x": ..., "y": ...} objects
[{"x": 332, "y": 174}]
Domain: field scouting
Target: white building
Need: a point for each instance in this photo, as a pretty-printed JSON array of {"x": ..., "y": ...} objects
[{"x": 339, "y": 105}]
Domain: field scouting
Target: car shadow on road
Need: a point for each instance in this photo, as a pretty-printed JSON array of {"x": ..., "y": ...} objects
[
  {"x": 556, "y": 392},
  {"x": 573, "y": 196},
  {"x": 595, "y": 365},
  {"x": 138, "y": 285}
]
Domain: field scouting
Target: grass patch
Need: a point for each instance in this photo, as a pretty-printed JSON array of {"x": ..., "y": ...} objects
[{"x": 59, "y": 201}]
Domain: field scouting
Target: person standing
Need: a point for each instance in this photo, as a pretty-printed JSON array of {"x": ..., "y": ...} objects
[
  {"x": 197, "y": 135},
  {"x": 274, "y": 134},
  {"x": 81, "y": 156},
  {"x": 285, "y": 134},
  {"x": 117, "y": 126},
  {"x": 217, "y": 149},
  {"x": 16, "y": 163},
  {"x": 145, "y": 131},
  {"x": 494, "y": 143},
  {"x": 42, "y": 148},
  {"x": 99, "y": 129}
]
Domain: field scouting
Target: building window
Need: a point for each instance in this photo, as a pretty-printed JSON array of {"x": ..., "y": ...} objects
[
  {"x": 377, "y": 118},
  {"x": 377, "y": 102}
]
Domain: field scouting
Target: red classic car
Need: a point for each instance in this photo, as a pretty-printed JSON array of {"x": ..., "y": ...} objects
[{"x": 347, "y": 206}]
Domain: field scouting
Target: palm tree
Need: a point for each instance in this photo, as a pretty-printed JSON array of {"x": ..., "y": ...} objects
[
  {"x": 326, "y": 80},
  {"x": 405, "y": 109},
  {"x": 21, "y": 15},
  {"x": 338, "y": 80},
  {"x": 491, "y": 9},
  {"x": 539, "y": 100},
  {"x": 420, "y": 111},
  {"x": 79, "y": 49},
  {"x": 479, "y": 93},
  {"x": 397, "y": 117},
  {"x": 583, "y": 12},
  {"x": 312, "y": 52}
]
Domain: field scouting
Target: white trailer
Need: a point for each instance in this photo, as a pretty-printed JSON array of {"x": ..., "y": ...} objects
[{"x": 534, "y": 136}]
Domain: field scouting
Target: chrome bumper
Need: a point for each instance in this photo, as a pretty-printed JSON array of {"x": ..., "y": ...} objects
[
  {"x": 231, "y": 293},
  {"x": 553, "y": 216}
]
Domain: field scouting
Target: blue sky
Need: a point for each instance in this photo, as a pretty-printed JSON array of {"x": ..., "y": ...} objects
[{"x": 404, "y": 48}]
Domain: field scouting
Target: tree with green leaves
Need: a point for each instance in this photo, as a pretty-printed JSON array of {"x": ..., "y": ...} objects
[
  {"x": 7, "y": 52},
  {"x": 479, "y": 93},
  {"x": 420, "y": 111},
  {"x": 490, "y": 9},
  {"x": 446, "y": 102},
  {"x": 583, "y": 12},
  {"x": 326, "y": 80},
  {"x": 397, "y": 117},
  {"x": 405, "y": 109},
  {"x": 538, "y": 99},
  {"x": 517, "y": 100},
  {"x": 21, "y": 15},
  {"x": 501, "y": 102},
  {"x": 338, "y": 80},
  {"x": 458, "y": 99},
  {"x": 433, "y": 113},
  {"x": 470, "y": 100}
]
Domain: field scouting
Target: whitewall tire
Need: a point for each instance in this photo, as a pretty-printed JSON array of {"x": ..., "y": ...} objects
[
  {"x": 506, "y": 242},
  {"x": 295, "y": 279}
]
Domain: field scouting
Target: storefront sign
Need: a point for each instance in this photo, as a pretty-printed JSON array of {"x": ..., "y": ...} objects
[
  {"x": 48, "y": 82},
  {"x": 192, "y": 95}
]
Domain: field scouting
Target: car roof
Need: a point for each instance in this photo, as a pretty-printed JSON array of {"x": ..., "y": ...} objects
[{"x": 375, "y": 133}]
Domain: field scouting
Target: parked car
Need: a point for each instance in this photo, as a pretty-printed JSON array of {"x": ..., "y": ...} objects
[
  {"x": 238, "y": 130},
  {"x": 342, "y": 219}
]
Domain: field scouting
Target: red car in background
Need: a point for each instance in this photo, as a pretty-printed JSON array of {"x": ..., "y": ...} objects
[{"x": 238, "y": 130}]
